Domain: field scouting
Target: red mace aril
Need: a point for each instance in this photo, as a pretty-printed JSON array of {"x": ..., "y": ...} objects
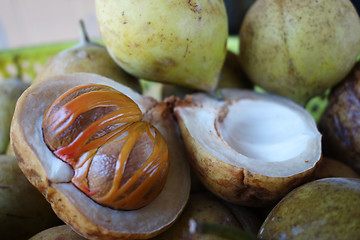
[{"x": 119, "y": 160}]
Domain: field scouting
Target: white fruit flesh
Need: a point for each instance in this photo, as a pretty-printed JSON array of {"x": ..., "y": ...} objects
[
  {"x": 264, "y": 130},
  {"x": 264, "y": 134}
]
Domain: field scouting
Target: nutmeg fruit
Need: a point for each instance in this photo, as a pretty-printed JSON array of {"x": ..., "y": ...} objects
[{"x": 109, "y": 160}]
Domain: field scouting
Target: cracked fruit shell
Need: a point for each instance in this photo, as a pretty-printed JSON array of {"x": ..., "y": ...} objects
[
  {"x": 249, "y": 148},
  {"x": 94, "y": 160}
]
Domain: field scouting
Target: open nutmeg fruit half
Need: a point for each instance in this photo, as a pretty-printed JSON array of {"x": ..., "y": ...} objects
[
  {"x": 109, "y": 160},
  {"x": 246, "y": 147}
]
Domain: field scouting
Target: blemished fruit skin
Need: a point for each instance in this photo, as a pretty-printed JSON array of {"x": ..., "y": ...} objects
[
  {"x": 298, "y": 49},
  {"x": 179, "y": 42},
  {"x": 322, "y": 209}
]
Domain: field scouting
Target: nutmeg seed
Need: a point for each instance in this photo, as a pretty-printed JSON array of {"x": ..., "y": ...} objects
[{"x": 119, "y": 160}]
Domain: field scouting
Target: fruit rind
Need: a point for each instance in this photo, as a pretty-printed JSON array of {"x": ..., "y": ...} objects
[
  {"x": 229, "y": 174},
  {"x": 85, "y": 216}
]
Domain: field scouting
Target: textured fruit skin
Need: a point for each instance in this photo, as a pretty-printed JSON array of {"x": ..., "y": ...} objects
[
  {"x": 322, "y": 209},
  {"x": 340, "y": 122},
  {"x": 180, "y": 42},
  {"x": 298, "y": 49}
]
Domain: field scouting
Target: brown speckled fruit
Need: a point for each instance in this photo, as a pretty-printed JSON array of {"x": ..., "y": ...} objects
[
  {"x": 92, "y": 153},
  {"x": 298, "y": 49},
  {"x": 178, "y": 42}
]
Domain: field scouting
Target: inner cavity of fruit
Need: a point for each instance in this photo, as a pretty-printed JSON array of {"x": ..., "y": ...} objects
[
  {"x": 119, "y": 160},
  {"x": 264, "y": 130}
]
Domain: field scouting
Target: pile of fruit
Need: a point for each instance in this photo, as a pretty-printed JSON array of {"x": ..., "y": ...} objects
[{"x": 161, "y": 132}]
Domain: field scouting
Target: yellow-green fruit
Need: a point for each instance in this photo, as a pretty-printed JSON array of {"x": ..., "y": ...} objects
[
  {"x": 179, "y": 42},
  {"x": 231, "y": 76},
  {"x": 298, "y": 49},
  {"x": 61, "y": 232},
  {"x": 89, "y": 57},
  {"x": 23, "y": 210},
  {"x": 10, "y": 91}
]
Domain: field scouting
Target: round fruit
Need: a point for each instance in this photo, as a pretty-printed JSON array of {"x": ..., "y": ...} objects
[
  {"x": 322, "y": 209},
  {"x": 81, "y": 167},
  {"x": 178, "y": 42},
  {"x": 249, "y": 148},
  {"x": 89, "y": 57},
  {"x": 298, "y": 49}
]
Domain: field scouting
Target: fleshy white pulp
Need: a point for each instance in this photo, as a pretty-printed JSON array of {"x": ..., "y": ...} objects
[
  {"x": 262, "y": 133},
  {"x": 264, "y": 130}
]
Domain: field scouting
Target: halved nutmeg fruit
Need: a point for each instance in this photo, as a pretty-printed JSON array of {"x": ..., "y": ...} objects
[
  {"x": 249, "y": 148},
  {"x": 109, "y": 160}
]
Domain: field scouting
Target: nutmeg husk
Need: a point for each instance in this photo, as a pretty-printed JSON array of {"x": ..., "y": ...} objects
[
  {"x": 53, "y": 176},
  {"x": 249, "y": 148}
]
